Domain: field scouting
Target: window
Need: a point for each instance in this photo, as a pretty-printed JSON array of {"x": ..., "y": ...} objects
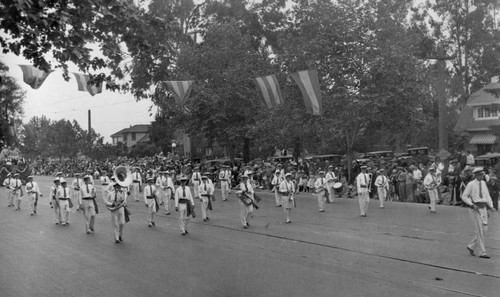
[
  {"x": 487, "y": 112},
  {"x": 133, "y": 136}
]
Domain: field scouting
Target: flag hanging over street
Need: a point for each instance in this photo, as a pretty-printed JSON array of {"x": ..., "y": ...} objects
[
  {"x": 309, "y": 86},
  {"x": 180, "y": 89},
  {"x": 33, "y": 76},
  {"x": 270, "y": 89},
  {"x": 83, "y": 84}
]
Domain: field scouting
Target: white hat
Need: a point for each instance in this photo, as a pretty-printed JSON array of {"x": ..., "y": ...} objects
[
  {"x": 86, "y": 177},
  {"x": 288, "y": 174},
  {"x": 150, "y": 179},
  {"x": 245, "y": 175},
  {"x": 63, "y": 181},
  {"x": 478, "y": 170}
]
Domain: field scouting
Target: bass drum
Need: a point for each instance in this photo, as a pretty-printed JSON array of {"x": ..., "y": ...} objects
[{"x": 338, "y": 187}]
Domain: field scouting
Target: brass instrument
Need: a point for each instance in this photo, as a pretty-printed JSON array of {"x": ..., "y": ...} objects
[{"x": 123, "y": 176}]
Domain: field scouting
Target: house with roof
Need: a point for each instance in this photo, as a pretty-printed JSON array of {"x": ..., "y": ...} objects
[
  {"x": 132, "y": 135},
  {"x": 480, "y": 114}
]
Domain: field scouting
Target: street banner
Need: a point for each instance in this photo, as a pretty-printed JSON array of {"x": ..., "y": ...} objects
[
  {"x": 33, "y": 76},
  {"x": 180, "y": 90},
  {"x": 270, "y": 89},
  {"x": 308, "y": 82},
  {"x": 83, "y": 84}
]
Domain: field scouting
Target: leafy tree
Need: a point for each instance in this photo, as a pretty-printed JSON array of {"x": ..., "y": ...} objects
[
  {"x": 35, "y": 139},
  {"x": 11, "y": 107}
]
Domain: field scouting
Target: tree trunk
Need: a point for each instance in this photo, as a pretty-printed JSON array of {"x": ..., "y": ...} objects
[{"x": 246, "y": 150}]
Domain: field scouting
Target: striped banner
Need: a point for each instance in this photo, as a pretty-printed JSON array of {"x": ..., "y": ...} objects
[
  {"x": 180, "y": 89},
  {"x": 309, "y": 86},
  {"x": 34, "y": 77},
  {"x": 270, "y": 89},
  {"x": 83, "y": 84}
]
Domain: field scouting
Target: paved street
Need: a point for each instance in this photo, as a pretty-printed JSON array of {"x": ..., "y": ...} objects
[{"x": 402, "y": 250}]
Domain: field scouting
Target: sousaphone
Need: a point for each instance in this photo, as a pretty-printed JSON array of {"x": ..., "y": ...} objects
[{"x": 123, "y": 176}]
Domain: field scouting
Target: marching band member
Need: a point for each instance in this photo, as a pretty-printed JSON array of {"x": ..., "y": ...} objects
[
  {"x": 150, "y": 174},
  {"x": 184, "y": 203},
  {"x": 150, "y": 196},
  {"x": 9, "y": 194},
  {"x": 87, "y": 203},
  {"x": 330, "y": 181},
  {"x": 105, "y": 181},
  {"x": 115, "y": 201},
  {"x": 287, "y": 190},
  {"x": 206, "y": 190},
  {"x": 321, "y": 190},
  {"x": 161, "y": 187},
  {"x": 276, "y": 182},
  {"x": 169, "y": 191},
  {"x": 245, "y": 194},
  {"x": 55, "y": 204},
  {"x": 17, "y": 191},
  {"x": 136, "y": 184},
  {"x": 34, "y": 193},
  {"x": 76, "y": 185},
  {"x": 431, "y": 183},
  {"x": 225, "y": 182},
  {"x": 363, "y": 184},
  {"x": 91, "y": 177},
  {"x": 477, "y": 197},
  {"x": 195, "y": 182},
  {"x": 382, "y": 183},
  {"x": 63, "y": 196}
]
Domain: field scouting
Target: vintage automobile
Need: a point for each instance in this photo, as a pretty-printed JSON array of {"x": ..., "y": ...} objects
[
  {"x": 490, "y": 159},
  {"x": 379, "y": 154}
]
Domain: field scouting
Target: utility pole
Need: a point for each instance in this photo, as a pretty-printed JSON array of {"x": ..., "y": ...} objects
[{"x": 441, "y": 97}]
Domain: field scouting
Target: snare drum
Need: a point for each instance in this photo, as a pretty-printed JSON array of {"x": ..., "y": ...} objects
[{"x": 338, "y": 187}]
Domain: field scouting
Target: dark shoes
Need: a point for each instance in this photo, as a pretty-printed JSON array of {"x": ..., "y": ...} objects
[
  {"x": 471, "y": 251},
  {"x": 484, "y": 257}
]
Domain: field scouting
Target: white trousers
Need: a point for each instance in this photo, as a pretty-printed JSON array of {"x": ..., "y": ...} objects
[
  {"x": 88, "y": 213},
  {"x": 151, "y": 210},
  {"x": 364, "y": 200},
  {"x": 480, "y": 221},
  {"x": 117, "y": 221},
  {"x": 31, "y": 202},
  {"x": 10, "y": 197},
  {"x": 331, "y": 194},
  {"x": 135, "y": 191},
  {"x": 166, "y": 200},
  {"x": 204, "y": 207},
  {"x": 183, "y": 218},
  {"x": 64, "y": 208},
  {"x": 382, "y": 195},
  {"x": 57, "y": 211},
  {"x": 245, "y": 212},
  {"x": 224, "y": 187},
  {"x": 277, "y": 196},
  {"x": 433, "y": 197},
  {"x": 17, "y": 199},
  {"x": 321, "y": 200}
]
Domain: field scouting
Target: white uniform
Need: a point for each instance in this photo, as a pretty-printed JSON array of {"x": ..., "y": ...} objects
[
  {"x": 321, "y": 186},
  {"x": 34, "y": 193},
  {"x": 136, "y": 185},
  {"x": 169, "y": 193},
  {"x": 150, "y": 196},
  {"x": 225, "y": 183},
  {"x": 182, "y": 197},
  {"x": 161, "y": 182},
  {"x": 363, "y": 182},
  {"x": 477, "y": 193},
  {"x": 382, "y": 183},
  {"x": 431, "y": 182},
  {"x": 113, "y": 199},
  {"x": 10, "y": 196},
  {"x": 246, "y": 210},
  {"x": 63, "y": 196},
  {"x": 330, "y": 181},
  {"x": 17, "y": 192},
  {"x": 287, "y": 189},
  {"x": 86, "y": 202},
  {"x": 206, "y": 190},
  {"x": 276, "y": 182},
  {"x": 195, "y": 182}
]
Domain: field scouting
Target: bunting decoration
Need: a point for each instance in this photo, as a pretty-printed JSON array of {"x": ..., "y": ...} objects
[
  {"x": 83, "y": 84},
  {"x": 33, "y": 76},
  {"x": 180, "y": 90},
  {"x": 270, "y": 89},
  {"x": 308, "y": 82}
]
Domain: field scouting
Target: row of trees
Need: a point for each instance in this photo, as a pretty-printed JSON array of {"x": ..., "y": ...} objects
[{"x": 375, "y": 61}]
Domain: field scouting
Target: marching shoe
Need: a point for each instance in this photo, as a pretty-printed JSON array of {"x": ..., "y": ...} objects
[
  {"x": 117, "y": 241},
  {"x": 150, "y": 225},
  {"x": 471, "y": 251},
  {"x": 205, "y": 220},
  {"x": 484, "y": 257},
  {"x": 120, "y": 238},
  {"x": 153, "y": 223},
  {"x": 167, "y": 213}
]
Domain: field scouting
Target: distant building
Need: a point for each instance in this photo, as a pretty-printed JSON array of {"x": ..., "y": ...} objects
[
  {"x": 481, "y": 112},
  {"x": 132, "y": 135}
]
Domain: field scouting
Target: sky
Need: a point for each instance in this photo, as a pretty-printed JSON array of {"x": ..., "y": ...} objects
[{"x": 59, "y": 99}]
